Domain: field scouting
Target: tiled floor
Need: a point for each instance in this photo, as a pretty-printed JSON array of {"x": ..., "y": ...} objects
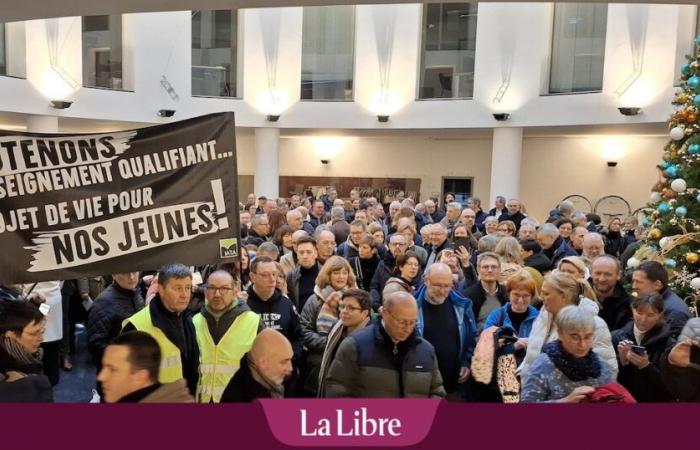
[{"x": 77, "y": 385}]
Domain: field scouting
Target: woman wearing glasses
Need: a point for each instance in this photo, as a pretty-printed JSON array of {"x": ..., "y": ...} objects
[
  {"x": 568, "y": 369},
  {"x": 320, "y": 314},
  {"x": 405, "y": 273},
  {"x": 22, "y": 328},
  {"x": 355, "y": 307}
]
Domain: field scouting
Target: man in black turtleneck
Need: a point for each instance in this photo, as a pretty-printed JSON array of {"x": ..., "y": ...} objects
[
  {"x": 385, "y": 269},
  {"x": 169, "y": 321},
  {"x": 554, "y": 246},
  {"x": 302, "y": 280},
  {"x": 276, "y": 311}
]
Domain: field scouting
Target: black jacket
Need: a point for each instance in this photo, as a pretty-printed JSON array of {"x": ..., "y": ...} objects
[
  {"x": 243, "y": 388},
  {"x": 477, "y": 295},
  {"x": 615, "y": 243},
  {"x": 105, "y": 318},
  {"x": 616, "y": 311},
  {"x": 254, "y": 238},
  {"x": 538, "y": 261},
  {"x": 515, "y": 218},
  {"x": 179, "y": 330},
  {"x": 34, "y": 388},
  {"x": 385, "y": 270},
  {"x": 558, "y": 251},
  {"x": 364, "y": 270},
  {"x": 369, "y": 364},
  {"x": 645, "y": 385},
  {"x": 278, "y": 313}
]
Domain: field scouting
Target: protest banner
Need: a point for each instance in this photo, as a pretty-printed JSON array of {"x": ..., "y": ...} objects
[{"x": 92, "y": 204}]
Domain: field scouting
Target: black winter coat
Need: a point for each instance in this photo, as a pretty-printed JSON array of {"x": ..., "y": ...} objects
[
  {"x": 645, "y": 385},
  {"x": 105, "y": 318},
  {"x": 243, "y": 388},
  {"x": 616, "y": 311}
]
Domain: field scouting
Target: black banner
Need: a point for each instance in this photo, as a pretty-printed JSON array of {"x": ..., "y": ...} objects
[{"x": 94, "y": 204}]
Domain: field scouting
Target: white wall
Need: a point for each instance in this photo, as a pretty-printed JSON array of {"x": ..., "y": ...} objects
[{"x": 504, "y": 29}]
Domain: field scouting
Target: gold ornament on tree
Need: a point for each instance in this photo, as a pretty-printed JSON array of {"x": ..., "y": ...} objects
[
  {"x": 655, "y": 234},
  {"x": 692, "y": 257}
]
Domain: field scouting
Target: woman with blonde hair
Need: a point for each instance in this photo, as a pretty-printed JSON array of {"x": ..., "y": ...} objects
[
  {"x": 575, "y": 266},
  {"x": 560, "y": 290},
  {"x": 320, "y": 314},
  {"x": 508, "y": 250}
]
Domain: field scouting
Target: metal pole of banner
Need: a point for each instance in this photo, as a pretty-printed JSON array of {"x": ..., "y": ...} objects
[{"x": 26, "y": 296}]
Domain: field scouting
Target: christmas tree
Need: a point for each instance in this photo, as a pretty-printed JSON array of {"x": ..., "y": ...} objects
[{"x": 673, "y": 215}]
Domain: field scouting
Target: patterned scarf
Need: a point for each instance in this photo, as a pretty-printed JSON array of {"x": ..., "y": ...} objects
[
  {"x": 575, "y": 369},
  {"x": 18, "y": 353}
]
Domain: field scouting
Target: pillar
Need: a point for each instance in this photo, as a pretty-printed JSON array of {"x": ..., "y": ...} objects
[
  {"x": 267, "y": 162},
  {"x": 505, "y": 163}
]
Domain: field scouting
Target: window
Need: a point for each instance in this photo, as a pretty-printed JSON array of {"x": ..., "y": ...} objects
[
  {"x": 448, "y": 49},
  {"x": 3, "y": 53},
  {"x": 102, "y": 51},
  {"x": 578, "y": 47},
  {"x": 215, "y": 53},
  {"x": 327, "y": 54},
  {"x": 688, "y": 29}
]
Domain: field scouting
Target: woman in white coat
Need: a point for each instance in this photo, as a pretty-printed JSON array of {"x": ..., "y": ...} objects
[{"x": 559, "y": 291}]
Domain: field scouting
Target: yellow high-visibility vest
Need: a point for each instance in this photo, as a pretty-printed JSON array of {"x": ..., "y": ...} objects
[
  {"x": 219, "y": 362},
  {"x": 170, "y": 358}
]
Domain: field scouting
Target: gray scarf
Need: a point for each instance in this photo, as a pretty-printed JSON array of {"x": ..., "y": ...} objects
[{"x": 18, "y": 353}]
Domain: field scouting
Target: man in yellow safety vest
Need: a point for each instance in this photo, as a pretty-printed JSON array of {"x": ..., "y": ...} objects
[
  {"x": 226, "y": 329},
  {"x": 169, "y": 321}
]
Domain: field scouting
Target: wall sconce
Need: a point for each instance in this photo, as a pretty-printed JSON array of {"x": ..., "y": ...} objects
[
  {"x": 612, "y": 163},
  {"x": 325, "y": 161},
  {"x": 166, "y": 112},
  {"x": 501, "y": 117},
  {"x": 383, "y": 118},
  {"x": 272, "y": 117},
  {"x": 629, "y": 111},
  {"x": 60, "y": 104}
]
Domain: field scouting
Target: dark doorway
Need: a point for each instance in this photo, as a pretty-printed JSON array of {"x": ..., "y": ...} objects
[{"x": 461, "y": 187}]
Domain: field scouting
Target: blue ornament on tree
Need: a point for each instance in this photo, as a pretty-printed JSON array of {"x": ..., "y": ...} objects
[
  {"x": 670, "y": 263},
  {"x": 664, "y": 208},
  {"x": 681, "y": 211},
  {"x": 697, "y": 198},
  {"x": 665, "y": 165},
  {"x": 696, "y": 100},
  {"x": 672, "y": 171},
  {"x": 694, "y": 82},
  {"x": 645, "y": 222},
  {"x": 685, "y": 69},
  {"x": 694, "y": 149}
]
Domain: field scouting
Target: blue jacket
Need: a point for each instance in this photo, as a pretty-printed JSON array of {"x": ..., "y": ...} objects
[
  {"x": 500, "y": 318},
  {"x": 465, "y": 322}
]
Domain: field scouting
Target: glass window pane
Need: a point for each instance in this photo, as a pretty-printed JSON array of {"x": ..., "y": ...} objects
[
  {"x": 327, "y": 55},
  {"x": 214, "y": 53},
  {"x": 102, "y": 51},
  {"x": 449, "y": 46},
  {"x": 578, "y": 47},
  {"x": 3, "y": 58}
]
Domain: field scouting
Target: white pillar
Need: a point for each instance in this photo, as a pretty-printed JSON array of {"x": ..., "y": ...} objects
[
  {"x": 267, "y": 162},
  {"x": 42, "y": 124},
  {"x": 505, "y": 163}
]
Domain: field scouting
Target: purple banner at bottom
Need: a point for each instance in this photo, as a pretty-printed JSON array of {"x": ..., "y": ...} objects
[
  {"x": 350, "y": 422},
  {"x": 456, "y": 426}
]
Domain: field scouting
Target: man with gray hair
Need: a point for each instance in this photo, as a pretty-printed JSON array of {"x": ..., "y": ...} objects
[
  {"x": 446, "y": 320},
  {"x": 566, "y": 209},
  {"x": 438, "y": 239},
  {"x": 295, "y": 220},
  {"x": 513, "y": 213},
  {"x": 454, "y": 209},
  {"x": 268, "y": 249},
  {"x": 259, "y": 230},
  {"x": 593, "y": 246},
  {"x": 339, "y": 226},
  {"x": 432, "y": 213},
  {"x": 289, "y": 261},
  {"x": 554, "y": 246},
  {"x": 499, "y": 208},
  {"x": 527, "y": 231}
]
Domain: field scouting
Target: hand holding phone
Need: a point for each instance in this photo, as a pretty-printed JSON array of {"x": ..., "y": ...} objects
[{"x": 638, "y": 349}]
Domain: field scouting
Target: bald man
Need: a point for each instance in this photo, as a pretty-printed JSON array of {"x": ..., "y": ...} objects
[
  {"x": 446, "y": 320},
  {"x": 263, "y": 369},
  {"x": 388, "y": 358}
]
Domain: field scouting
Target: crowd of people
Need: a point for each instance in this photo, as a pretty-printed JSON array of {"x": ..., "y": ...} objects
[{"x": 362, "y": 298}]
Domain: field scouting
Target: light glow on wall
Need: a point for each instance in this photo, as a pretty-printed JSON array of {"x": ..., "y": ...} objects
[
  {"x": 640, "y": 94},
  {"x": 328, "y": 147},
  {"x": 53, "y": 86},
  {"x": 612, "y": 148},
  {"x": 272, "y": 101}
]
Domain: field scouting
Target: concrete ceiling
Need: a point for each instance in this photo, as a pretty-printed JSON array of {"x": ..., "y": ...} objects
[{"x": 14, "y": 10}]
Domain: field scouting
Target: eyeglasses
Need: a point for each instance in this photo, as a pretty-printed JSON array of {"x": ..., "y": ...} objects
[
  {"x": 403, "y": 323},
  {"x": 223, "y": 290},
  {"x": 266, "y": 274},
  {"x": 343, "y": 307}
]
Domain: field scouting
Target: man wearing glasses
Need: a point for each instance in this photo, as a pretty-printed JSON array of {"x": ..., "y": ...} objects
[
  {"x": 226, "y": 329},
  {"x": 487, "y": 294},
  {"x": 446, "y": 320},
  {"x": 169, "y": 321},
  {"x": 388, "y": 358}
]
